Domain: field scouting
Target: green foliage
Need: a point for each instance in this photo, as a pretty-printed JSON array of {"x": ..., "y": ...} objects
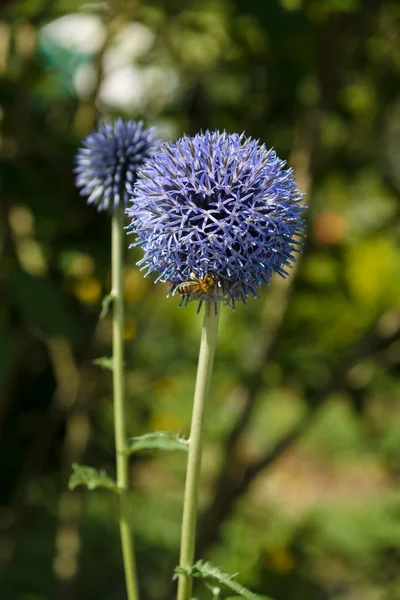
[
  {"x": 105, "y": 362},
  {"x": 41, "y": 303},
  {"x": 160, "y": 440},
  {"x": 91, "y": 478},
  {"x": 205, "y": 570}
]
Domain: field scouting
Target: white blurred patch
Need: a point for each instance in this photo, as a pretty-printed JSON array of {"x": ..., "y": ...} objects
[
  {"x": 85, "y": 80},
  {"x": 133, "y": 41},
  {"x": 124, "y": 88},
  {"x": 82, "y": 33},
  {"x": 161, "y": 84},
  {"x": 125, "y": 85},
  {"x": 132, "y": 88}
]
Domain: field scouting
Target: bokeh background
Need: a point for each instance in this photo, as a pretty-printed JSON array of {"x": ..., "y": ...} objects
[{"x": 301, "y": 470}]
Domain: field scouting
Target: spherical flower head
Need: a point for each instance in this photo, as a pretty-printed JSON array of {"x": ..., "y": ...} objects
[
  {"x": 108, "y": 161},
  {"x": 216, "y": 216}
]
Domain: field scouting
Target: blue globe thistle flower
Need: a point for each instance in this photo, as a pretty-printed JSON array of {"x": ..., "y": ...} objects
[
  {"x": 107, "y": 162},
  {"x": 216, "y": 216}
]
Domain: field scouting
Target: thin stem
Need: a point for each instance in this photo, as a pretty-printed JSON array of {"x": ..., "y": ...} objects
[
  {"x": 117, "y": 243},
  {"x": 203, "y": 380}
]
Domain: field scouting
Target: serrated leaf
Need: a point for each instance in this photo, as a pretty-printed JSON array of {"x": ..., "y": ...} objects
[
  {"x": 105, "y": 362},
  {"x": 91, "y": 478},
  {"x": 205, "y": 570},
  {"x": 160, "y": 440}
]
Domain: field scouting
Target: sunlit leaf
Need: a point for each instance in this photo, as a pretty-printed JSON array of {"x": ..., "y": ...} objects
[
  {"x": 160, "y": 440},
  {"x": 105, "y": 362},
  {"x": 91, "y": 478},
  {"x": 206, "y": 570}
]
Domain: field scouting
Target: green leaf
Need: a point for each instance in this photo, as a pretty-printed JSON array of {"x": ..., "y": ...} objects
[
  {"x": 91, "y": 478},
  {"x": 105, "y": 362},
  {"x": 160, "y": 440},
  {"x": 206, "y": 570}
]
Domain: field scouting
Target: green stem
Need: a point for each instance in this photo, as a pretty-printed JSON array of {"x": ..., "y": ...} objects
[
  {"x": 122, "y": 458},
  {"x": 203, "y": 380}
]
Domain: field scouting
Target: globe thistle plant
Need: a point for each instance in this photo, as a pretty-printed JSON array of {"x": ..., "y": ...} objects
[
  {"x": 108, "y": 161},
  {"x": 216, "y": 215},
  {"x": 107, "y": 166}
]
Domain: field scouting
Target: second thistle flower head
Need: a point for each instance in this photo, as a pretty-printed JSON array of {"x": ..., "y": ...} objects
[
  {"x": 107, "y": 162},
  {"x": 216, "y": 215}
]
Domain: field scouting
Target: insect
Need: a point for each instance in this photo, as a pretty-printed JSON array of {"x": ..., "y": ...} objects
[{"x": 197, "y": 285}]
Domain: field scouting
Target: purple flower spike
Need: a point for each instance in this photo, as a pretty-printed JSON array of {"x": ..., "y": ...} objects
[
  {"x": 220, "y": 206},
  {"x": 107, "y": 162}
]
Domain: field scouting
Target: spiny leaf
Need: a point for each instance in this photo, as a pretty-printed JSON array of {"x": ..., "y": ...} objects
[
  {"x": 205, "y": 570},
  {"x": 161, "y": 440},
  {"x": 91, "y": 478},
  {"x": 105, "y": 362}
]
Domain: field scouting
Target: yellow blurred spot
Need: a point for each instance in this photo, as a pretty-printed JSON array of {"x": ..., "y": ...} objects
[
  {"x": 134, "y": 284},
  {"x": 21, "y": 220},
  {"x": 129, "y": 328},
  {"x": 65, "y": 566},
  {"x": 281, "y": 560},
  {"x": 371, "y": 269},
  {"x": 164, "y": 420},
  {"x": 5, "y": 36},
  {"x": 68, "y": 546},
  {"x": 165, "y": 385},
  {"x": 25, "y": 40},
  {"x": 82, "y": 265},
  {"x": 359, "y": 97},
  {"x": 68, "y": 540},
  {"x": 88, "y": 290},
  {"x": 31, "y": 257},
  {"x": 84, "y": 118},
  {"x": 78, "y": 432}
]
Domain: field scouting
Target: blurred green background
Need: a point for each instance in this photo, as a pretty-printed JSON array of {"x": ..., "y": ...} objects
[{"x": 302, "y": 464}]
